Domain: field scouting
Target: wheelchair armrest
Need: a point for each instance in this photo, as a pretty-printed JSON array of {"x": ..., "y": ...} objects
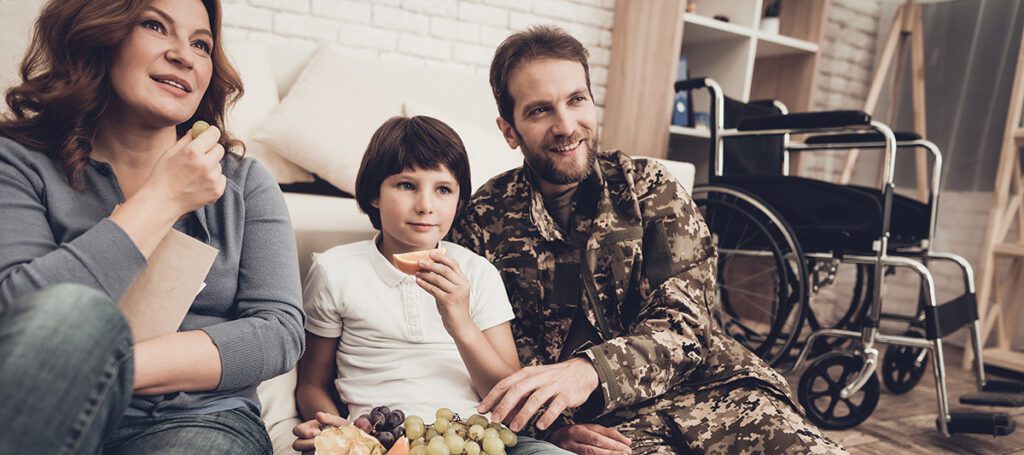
[
  {"x": 690, "y": 84},
  {"x": 805, "y": 120},
  {"x": 858, "y": 138}
]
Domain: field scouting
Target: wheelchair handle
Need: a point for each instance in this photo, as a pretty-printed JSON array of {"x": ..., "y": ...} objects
[{"x": 690, "y": 84}]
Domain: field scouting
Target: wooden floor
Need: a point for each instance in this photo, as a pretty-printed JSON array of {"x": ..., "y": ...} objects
[{"x": 905, "y": 424}]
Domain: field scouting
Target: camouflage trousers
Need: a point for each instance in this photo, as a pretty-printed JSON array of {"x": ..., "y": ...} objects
[{"x": 739, "y": 418}]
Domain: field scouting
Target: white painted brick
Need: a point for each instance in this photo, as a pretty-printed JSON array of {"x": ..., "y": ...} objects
[
  {"x": 515, "y": 5},
  {"x": 426, "y": 47},
  {"x": 521, "y": 21},
  {"x": 364, "y": 36},
  {"x": 469, "y": 33},
  {"x": 443, "y": 8},
  {"x": 401, "y": 20},
  {"x": 295, "y": 6},
  {"x": 597, "y": 17},
  {"x": 600, "y": 57},
  {"x": 598, "y": 75},
  {"x": 245, "y": 16},
  {"x": 558, "y": 9},
  {"x": 605, "y": 39},
  {"x": 444, "y": 28},
  {"x": 473, "y": 54},
  {"x": 291, "y": 24},
  {"x": 492, "y": 36},
  {"x": 589, "y": 36},
  {"x": 346, "y": 10},
  {"x": 483, "y": 14}
]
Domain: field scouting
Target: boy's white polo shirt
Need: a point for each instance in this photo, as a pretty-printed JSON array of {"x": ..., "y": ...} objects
[{"x": 393, "y": 349}]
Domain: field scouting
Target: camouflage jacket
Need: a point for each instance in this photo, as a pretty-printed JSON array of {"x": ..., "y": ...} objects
[{"x": 654, "y": 314}]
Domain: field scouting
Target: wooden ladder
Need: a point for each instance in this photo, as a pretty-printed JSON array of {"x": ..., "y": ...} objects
[{"x": 996, "y": 307}]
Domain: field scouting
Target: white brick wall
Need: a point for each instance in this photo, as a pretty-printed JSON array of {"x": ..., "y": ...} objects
[{"x": 451, "y": 33}]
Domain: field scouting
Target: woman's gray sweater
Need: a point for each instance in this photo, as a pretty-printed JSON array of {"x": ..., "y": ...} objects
[{"x": 251, "y": 306}]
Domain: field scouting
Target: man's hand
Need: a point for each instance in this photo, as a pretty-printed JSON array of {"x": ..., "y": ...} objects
[
  {"x": 559, "y": 386},
  {"x": 591, "y": 439},
  {"x": 309, "y": 429}
]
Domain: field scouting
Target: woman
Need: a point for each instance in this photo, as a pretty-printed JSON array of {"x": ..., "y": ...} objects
[{"x": 109, "y": 90}]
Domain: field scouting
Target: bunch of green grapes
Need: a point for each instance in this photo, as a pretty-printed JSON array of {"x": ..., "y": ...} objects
[{"x": 450, "y": 435}]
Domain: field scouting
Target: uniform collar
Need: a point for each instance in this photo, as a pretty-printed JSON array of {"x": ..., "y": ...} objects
[
  {"x": 387, "y": 271},
  {"x": 587, "y": 196}
]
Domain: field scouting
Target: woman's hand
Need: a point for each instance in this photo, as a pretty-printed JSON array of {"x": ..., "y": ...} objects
[
  {"x": 188, "y": 175},
  {"x": 308, "y": 430},
  {"x": 443, "y": 278}
]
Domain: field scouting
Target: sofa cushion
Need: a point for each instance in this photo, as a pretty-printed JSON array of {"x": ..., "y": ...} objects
[
  {"x": 252, "y": 60},
  {"x": 489, "y": 154},
  {"x": 322, "y": 222},
  {"x": 277, "y": 398},
  {"x": 339, "y": 100}
]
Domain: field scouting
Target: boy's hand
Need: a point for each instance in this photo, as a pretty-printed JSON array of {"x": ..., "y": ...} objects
[
  {"x": 442, "y": 278},
  {"x": 309, "y": 429}
]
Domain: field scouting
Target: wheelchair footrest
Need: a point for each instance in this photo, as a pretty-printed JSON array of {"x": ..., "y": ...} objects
[
  {"x": 992, "y": 423},
  {"x": 1004, "y": 399},
  {"x": 1003, "y": 386}
]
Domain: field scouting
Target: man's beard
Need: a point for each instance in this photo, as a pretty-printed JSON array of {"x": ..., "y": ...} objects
[{"x": 560, "y": 172}]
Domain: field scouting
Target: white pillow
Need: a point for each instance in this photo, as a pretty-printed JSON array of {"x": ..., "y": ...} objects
[
  {"x": 252, "y": 60},
  {"x": 325, "y": 123},
  {"x": 489, "y": 154}
]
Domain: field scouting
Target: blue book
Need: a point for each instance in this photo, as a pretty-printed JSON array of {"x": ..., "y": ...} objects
[{"x": 681, "y": 108}]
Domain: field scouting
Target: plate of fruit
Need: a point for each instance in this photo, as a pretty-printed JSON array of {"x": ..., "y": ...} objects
[{"x": 389, "y": 431}]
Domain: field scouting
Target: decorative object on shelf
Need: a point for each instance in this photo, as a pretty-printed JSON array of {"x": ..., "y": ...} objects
[
  {"x": 770, "y": 19},
  {"x": 682, "y": 108},
  {"x": 701, "y": 119},
  {"x": 721, "y": 17},
  {"x": 691, "y": 7}
]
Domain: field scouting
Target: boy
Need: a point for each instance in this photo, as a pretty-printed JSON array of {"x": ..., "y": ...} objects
[{"x": 439, "y": 338}]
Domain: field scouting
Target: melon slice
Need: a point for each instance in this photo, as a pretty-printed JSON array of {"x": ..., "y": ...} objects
[
  {"x": 401, "y": 447},
  {"x": 409, "y": 262}
]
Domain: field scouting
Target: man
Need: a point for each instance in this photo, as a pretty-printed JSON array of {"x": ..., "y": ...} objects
[{"x": 611, "y": 271}]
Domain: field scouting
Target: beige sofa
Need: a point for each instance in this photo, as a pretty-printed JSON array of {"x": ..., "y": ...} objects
[{"x": 316, "y": 109}]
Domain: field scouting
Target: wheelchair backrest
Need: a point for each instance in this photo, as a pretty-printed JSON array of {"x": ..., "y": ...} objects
[{"x": 756, "y": 155}]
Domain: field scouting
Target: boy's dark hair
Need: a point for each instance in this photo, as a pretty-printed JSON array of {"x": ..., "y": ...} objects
[
  {"x": 539, "y": 41},
  {"x": 402, "y": 143}
]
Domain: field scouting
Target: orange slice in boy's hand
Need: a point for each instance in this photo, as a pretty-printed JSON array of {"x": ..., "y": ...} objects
[{"x": 409, "y": 262}]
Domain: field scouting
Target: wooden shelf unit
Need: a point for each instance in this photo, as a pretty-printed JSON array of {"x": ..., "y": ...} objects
[
  {"x": 650, "y": 35},
  {"x": 999, "y": 302}
]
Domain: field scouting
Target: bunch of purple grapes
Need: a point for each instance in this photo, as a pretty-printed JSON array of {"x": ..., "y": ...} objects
[{"x": 384, "y": 424}]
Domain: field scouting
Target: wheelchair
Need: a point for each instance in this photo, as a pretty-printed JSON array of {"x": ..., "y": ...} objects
[{"x": 785, "y": 241}]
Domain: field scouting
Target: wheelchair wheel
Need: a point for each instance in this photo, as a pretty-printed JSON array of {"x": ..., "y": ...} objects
[
  {"x": 762, "y": 277},
  {"x": 819, "y": 389},
  {"x": 900, "y": 370}
]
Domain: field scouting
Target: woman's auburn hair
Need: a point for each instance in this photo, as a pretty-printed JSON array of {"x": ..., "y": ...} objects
[{"x": 65, "y": 85}]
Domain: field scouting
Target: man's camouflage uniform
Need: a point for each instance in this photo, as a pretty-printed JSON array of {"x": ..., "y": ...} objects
[{"x": 643, "y": 260}]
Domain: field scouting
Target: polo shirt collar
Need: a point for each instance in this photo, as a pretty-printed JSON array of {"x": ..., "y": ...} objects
[{"x": 387, "y": 271}]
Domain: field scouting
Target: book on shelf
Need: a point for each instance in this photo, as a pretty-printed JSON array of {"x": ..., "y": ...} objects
[{"x": 682, "y": 107}]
